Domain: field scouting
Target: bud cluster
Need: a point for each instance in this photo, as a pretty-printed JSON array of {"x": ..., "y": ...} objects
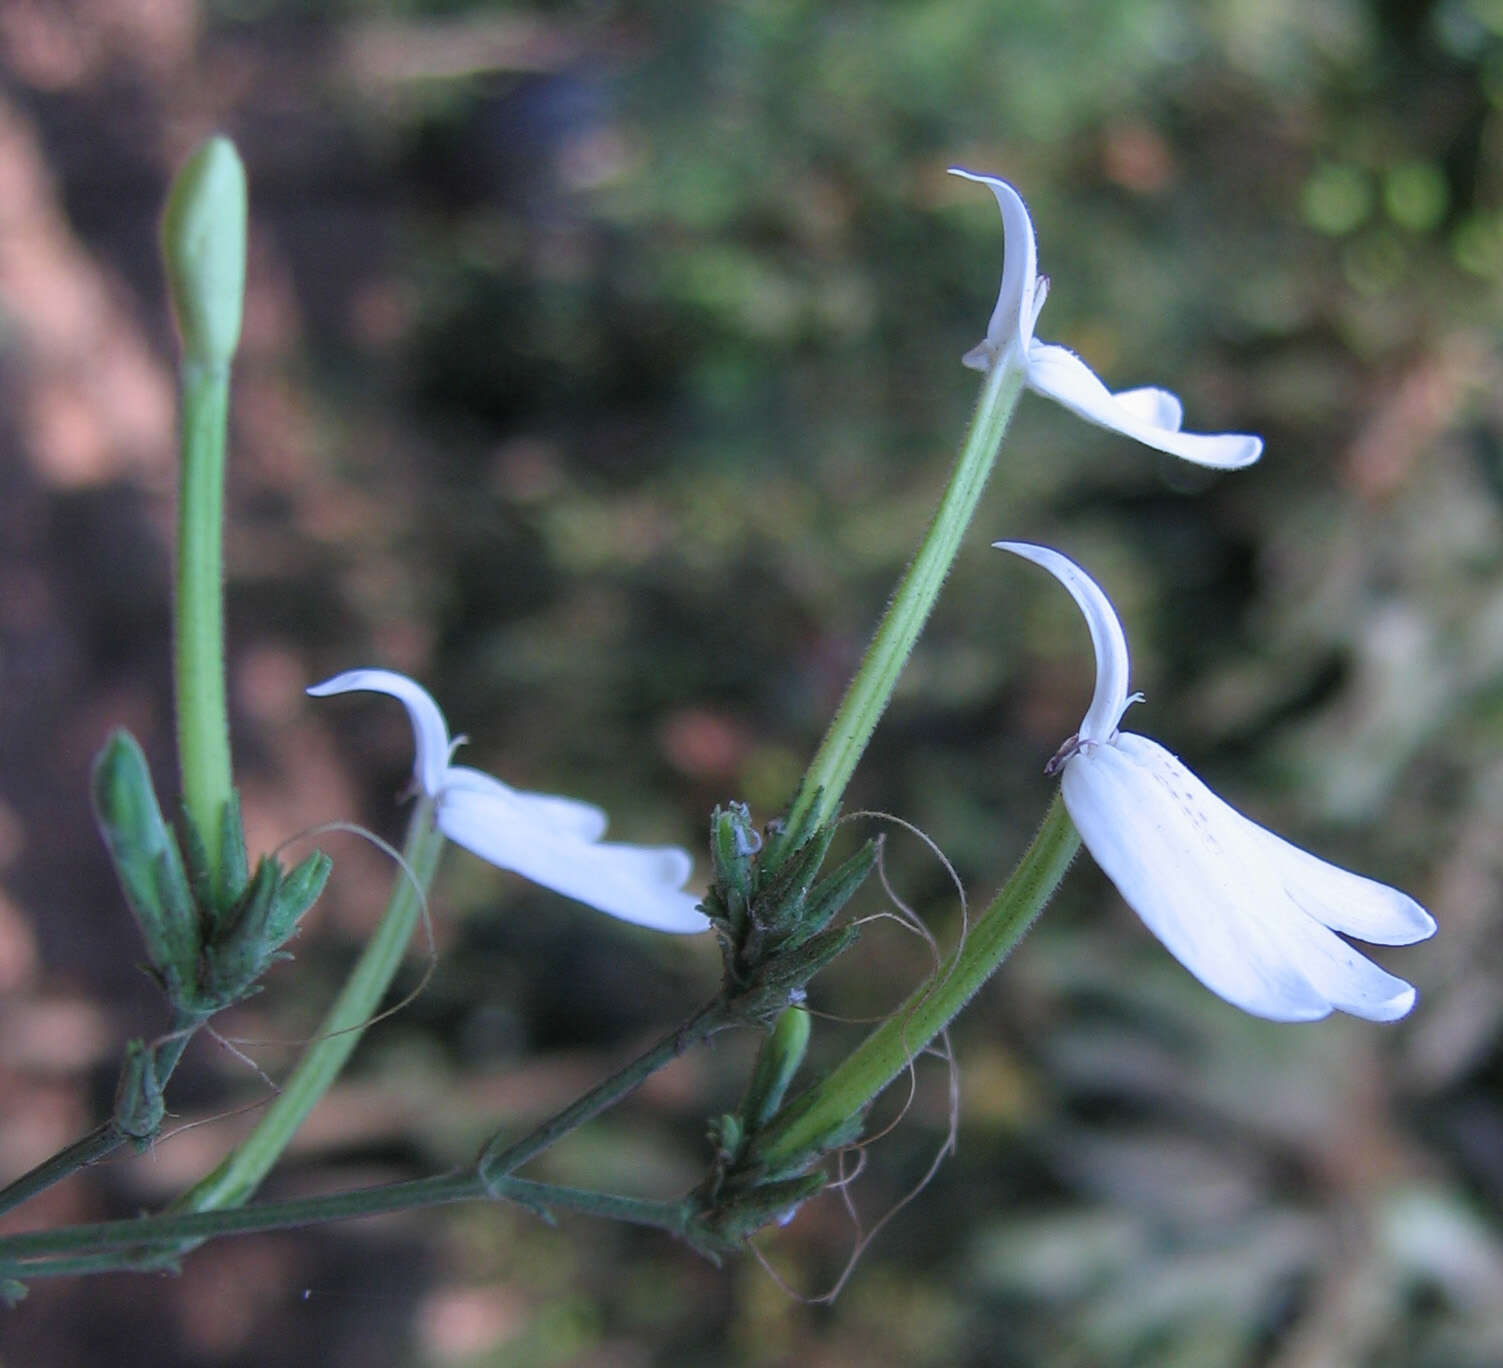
[
  {"x": 771, "y": 910},
  {"x": 210, "y": 934},
  {"x": 743, "y": 1193}
]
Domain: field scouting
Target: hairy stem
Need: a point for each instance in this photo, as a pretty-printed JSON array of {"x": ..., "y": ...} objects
[
  {"x": 203, "y": 726},
  {"x": 499, "y": 1158},
  {"x": 146, "y": 1240},
  {"x": 866, "y": 697}
]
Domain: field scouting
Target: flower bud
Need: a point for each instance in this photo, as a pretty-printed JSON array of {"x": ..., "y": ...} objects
[
  {"x": 782, "y": 1053},
  {"x": 203, "y": 248},
  {"x": 139, "y": 1106},
  {"x": 148, "y": 863}
]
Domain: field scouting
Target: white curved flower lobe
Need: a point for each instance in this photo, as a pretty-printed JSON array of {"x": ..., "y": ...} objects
[
  {"x": 551, "y": 840},
  {"x": 1151, "y": 416},
  {"x": 430, "y": 733},
  {"x": 1254, "y": 918}
]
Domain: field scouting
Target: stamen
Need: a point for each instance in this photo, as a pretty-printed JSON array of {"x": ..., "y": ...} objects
[{"x": 1064, "y": 754}]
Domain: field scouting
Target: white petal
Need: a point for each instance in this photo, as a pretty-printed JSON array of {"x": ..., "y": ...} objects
[
  {"x": 1014, "y": 314},
  {"x": 1200, "y": 876},
  {"x": 1349, "y": 903},
  {"x": 1183, "y": 891},
  {"x": 1350, "y": 982},
  {"x": 1334, "y": 897},
  {"x": 641, "y": 884},
  {"x": 1065, "y": 378},
  {"x": 429, "y": 731},
  {"x": 584, "y": 820},
  {"x": 1110, "y": 699},
  {"x": 1156, "y": 407}
]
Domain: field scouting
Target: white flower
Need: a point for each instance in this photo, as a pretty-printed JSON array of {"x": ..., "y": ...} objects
[
  {"x": 1251, "y": 916},
  {"x": 552, "y": 841},
  {"x": 1151, "y": 416}
]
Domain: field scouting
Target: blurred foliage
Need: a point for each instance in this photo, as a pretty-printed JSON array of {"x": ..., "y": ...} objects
[{"x": 602, "y": 370}]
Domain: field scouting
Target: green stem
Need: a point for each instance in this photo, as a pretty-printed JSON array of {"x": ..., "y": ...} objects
[
  {"x": 499, "y": 1158},
  {"x": 233, "y": 1182},
  {"x": 203, "y": 727},
  {"x": 163, "y": 1234},
  {"x": 99, "y": 1143},
  {"x": 215, "y": 1206},
  {"x": 104, "y": 1139},
  {"x": 888, "y": 1050},
  {"x": 865, "y": 699}
]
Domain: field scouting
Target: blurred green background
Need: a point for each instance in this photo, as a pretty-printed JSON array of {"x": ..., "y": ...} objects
[{"x": 602, "y": 369}]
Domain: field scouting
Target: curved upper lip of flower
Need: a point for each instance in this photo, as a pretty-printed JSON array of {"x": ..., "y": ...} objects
[
  {"x": 1151, "y": 416},
  {"x": 551, "y": 840},
  {"x": 1251, "y": 916}
]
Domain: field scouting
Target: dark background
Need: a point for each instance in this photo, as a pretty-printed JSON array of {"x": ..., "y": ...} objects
[{"x": 601, "y": 369}]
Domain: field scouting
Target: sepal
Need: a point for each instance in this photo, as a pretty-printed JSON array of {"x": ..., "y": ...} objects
[
  {"x": 780, "y": 980},
  {"x": 779, "y": 904},
  {"x": 234, "y": 866},
  {"x": 251, "y": 937},
  {"x": 725, "y": 1225},
  {"x": 217, "y": 891},
  {"x": 300, "y": 888},
  {"x": 831, "y": 893}
]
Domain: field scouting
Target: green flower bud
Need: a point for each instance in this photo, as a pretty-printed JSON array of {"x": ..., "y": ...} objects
[
  {"x": 148, "y": 863},
  {"x": 782, "y": 1053},
  {"x": 139, "y": 1106},
  {"x": 734, "y": 844},
  {"x": 727, "y": 1135},
  {"x": 203, "y": 248}
]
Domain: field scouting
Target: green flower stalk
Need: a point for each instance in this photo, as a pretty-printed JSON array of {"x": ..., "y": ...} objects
[
  {"x": 867, "y": 696},
  {"x": 203, "y": 250},
  {"x": 1012, "y": 359}
]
